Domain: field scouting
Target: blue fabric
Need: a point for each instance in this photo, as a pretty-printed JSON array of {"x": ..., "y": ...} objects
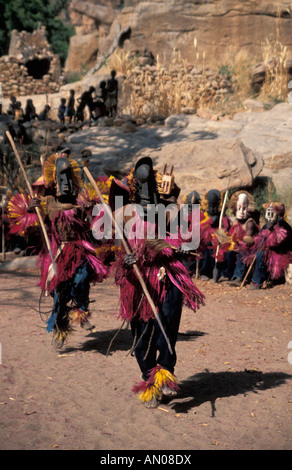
[
  {"x": 225, "y": 269},
  {"x": 207, "y": 263},
  {"x": 75, "y": 289},
  {"x": 240, "y": 268},
  {"x": 260, "y": 271},
  {"x": 229, "y": 264}
]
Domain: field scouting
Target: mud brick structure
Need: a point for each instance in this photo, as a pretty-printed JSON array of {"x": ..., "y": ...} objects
[{"x": 30, "y": 67}]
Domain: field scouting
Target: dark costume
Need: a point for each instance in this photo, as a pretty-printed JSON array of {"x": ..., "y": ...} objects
[
  {"x": 98, "y": 106},
  {"x": 12, "y": 241},
  {"x": 272, "y": 248},
  {"x": 30, "y": 111},
  {"x": 167, "y": 279},
  {"x": 242, "y": 233},
  {"x": 111, "y": 100},
  {"x": 61, "y": 110},
  {"x": 74, "y": 252},
  {"x": 190, "y": 199},
  {"x": 70, "y": 108},
  {"x": 86, "y": 100},
  {"x": 212, "y": 255},
  {"x": 44, "y": 114}
]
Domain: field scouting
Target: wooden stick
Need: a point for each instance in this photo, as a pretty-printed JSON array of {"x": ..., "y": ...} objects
[
  {"x": 248, "y": 271},
  {"x": 36, "y": 208},
  {"x": 3, "y": 229},
  {"x": 128, "y": 251},
  {"x": 215, "y": 270},
  {"x": 221, "y": 217}
]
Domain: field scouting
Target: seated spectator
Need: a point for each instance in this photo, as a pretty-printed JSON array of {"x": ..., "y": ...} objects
[
  {"x": 44, "y": 114},
  {"x": 29, "y": 112},
  {"x": 19, "y": 115},
  {"x": 11, "y": 107},
  {"x": 61, "y": 111}
]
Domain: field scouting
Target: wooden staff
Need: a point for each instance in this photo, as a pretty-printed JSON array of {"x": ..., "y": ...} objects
[
  {"x": 128, "y": 251},
  {"x": 3, "y": 229},
  {"x": 248, "y": 271},
  {"x": 220, "y": 226},
  {"x": 36, "y": 208}
]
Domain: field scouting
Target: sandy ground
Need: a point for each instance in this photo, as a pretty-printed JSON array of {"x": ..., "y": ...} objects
[{"x": 233, "y": 365}]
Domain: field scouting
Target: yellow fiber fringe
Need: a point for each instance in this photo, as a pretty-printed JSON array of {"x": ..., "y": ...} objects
[
  {"x": 78, "y": 316},
  {"x": 60, "y": 336},
  {"x": 49, "y": 172},
  {"x": 152, "y": 392},
  {"x": 163, "y": 377}
]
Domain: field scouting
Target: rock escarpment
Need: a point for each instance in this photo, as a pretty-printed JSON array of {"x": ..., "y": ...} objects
[{"x": 164, "y": 26}]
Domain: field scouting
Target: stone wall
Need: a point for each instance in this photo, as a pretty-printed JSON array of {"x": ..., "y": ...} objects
[
  {"x": 147, "y": 88},
  {"x": 31, "y": 67}
]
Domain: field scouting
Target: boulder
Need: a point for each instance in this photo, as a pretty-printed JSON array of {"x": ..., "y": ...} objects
[
  {"x": 22, "y": 263},
  {"x": 128, "y": 127},
  {"x": 206, "y": 164},
  {"x": 101, "y": 14},
  {"x": 83, "y": 51},
  {"x": 205, "y": 152},
  {"x": 258, "y": 76}
]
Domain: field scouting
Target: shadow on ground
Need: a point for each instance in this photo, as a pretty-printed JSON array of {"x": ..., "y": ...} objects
[{"x": 208, "y": 386}]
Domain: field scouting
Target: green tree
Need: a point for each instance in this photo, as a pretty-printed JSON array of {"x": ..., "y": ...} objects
[
  {"x": 28, "y": 15},
  {"x": 3, "y": 32}
]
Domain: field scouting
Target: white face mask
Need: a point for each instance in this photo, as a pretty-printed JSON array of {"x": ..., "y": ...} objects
[
  {"x": 269, "y": 214},
  {"x": 242, "y": 206}
]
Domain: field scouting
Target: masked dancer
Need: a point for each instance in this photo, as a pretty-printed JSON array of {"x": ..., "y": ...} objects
[
  {"x": 212, "y": 262},
  {"x": 272, "y": 250},
  {"x": 72, "y": 244},
  {"x": 159, "y": 258}
]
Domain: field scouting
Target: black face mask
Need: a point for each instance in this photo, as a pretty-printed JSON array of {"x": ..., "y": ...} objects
[
  {"x": 214, "y": 198},
  {"x": 145, "y": 183},
  {"x": 64, "y": 177},
  {"x": 192, "y": 198}
]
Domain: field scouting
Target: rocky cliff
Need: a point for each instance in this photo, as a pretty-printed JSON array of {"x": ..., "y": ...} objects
[{"x": 199, "y": 29}]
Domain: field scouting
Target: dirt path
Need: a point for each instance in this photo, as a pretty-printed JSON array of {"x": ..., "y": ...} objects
[{"x": 234, "y": 371}]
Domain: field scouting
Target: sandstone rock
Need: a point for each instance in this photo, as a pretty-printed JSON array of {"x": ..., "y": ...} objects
[
  {"x": 204, "y": 164},
  {"x": 289, "y": 68},
  {"x": 157, "y": 118},
  {"x": 161, "y": 25},
  {"x": 242, "y": 148},
  {"x": 19, "y": 264},
  {"x": 129, "y": 127},
  {"x": 188, "y": 110},
  {"x": 119, "y": 121},
  {"x": 253, "y": 160},
  {"x": 82, "y": 52},
  {"x": 105, "y": 122},
  {"x": 204, "y": 113},
  {"x": 176, "y": 121},
  {"x": 100, "y": 13},
  {"x": 205, "y": 152},
  {"x": 140, "y": 121},
  {"x": 253, "y": 104}
]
